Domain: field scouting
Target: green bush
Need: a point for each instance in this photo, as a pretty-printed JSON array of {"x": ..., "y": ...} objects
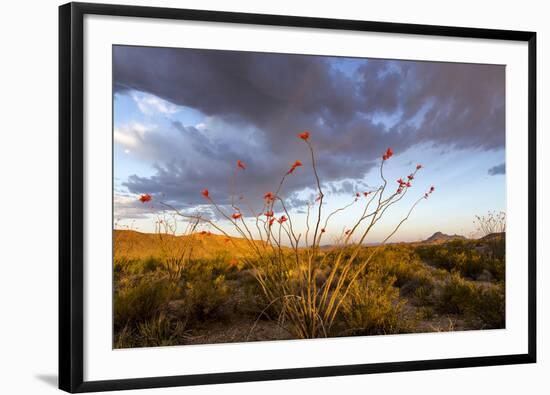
[
  {"x": 487, "y": 309},
  {"x": 135, "y": 304},
  {"x": 456, "y": 295},
  {"x": 161, "y": 331},
  {"x": 469, "y": 258},
  {"x": 482, "y": 305},
  {"x": 151, "y": 264},
  {"x": 373, "y": 307},
  {"x": 155, "y": 332},
  {"x": 411, "y": 276},
  {"x": 205, "y": 292}
]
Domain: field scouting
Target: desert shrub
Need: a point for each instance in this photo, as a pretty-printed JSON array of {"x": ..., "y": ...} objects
[
  {"x": 120, "y": 266},
  {"x": 423, "y": 289},
  {"x": 420, "y": 285},
  {"x": 497, "y": 268},
  {"x": 157, "y": 331},
  {"x": 161, "y": 331},
  {"x": 440, "y": 274},
  {"x": 124, "y": 337},
  {"x": 135, "y": 304},
  {"x": 457, "y": 255},
  {"x": 425, "y": 313},
  {"x": 205, "y": 292},
  {"x": 151, "y": 264},
  {"x": 487, "y": 309},
  {"x": 482, "y": 305},
  {"x": 469, "y": 264},
  {"x": 373, "y": 306},
  {"x": 456, "y": 295},
  {"x": 412, "y": 277},
  {"x": 124, "y": 267}
]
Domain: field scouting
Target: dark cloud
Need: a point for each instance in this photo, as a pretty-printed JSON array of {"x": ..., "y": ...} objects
[
  {"x": 354, "y": 114},
  {"x": 496, "y": 170}
]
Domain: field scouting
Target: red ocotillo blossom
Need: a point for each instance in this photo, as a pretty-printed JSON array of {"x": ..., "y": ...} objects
[
  {"x": 304, "y": 135},
  {"x": 271, "y": 221},
  {"x": 145, "y": 198},
  {"x": 269, "y": 197},
  {"x": 388, "y": 154},
  {"x": 236, "y": 215},
  {"x": 418, "y": 166},
  {"x": 294, "y": 166},
  {"x": 282, "y": 219},
  {"x": 205, "y": 193},
  {"x": 269, "y": 214},
  {"x": 240, "y": 164}
]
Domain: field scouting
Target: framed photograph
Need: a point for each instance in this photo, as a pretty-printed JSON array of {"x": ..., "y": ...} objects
[{"x": 250, "y": 197}]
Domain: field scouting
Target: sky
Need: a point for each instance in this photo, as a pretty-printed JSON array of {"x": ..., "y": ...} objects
[{"x": 183, "y": 117}]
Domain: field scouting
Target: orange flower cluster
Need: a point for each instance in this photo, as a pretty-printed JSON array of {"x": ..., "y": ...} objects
[
  {"x": 240, "y": 164},
  {"x": 269, "y": 197},
  {"x": 304, "y": 135},
  {"x": 294, "y": 166},
  {"x": 388, "y": 154},
  {"x": 145, "y": 198},
  {"x": 236, "y": 215},
  {"x": 403, "y": 184}
]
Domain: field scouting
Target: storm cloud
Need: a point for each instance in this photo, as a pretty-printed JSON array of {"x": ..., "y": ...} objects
[
  {"x": 256, "y": 103},
  {"x": 496, "y": 170}
]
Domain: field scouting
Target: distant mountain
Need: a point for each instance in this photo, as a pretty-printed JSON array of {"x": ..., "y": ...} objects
[{"x": 439, "y": 238}]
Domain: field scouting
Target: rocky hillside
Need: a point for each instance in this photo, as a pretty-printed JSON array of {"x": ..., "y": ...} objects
[
  {"x": 137, "y": 245},
  {"x": 440, "y": 238}
]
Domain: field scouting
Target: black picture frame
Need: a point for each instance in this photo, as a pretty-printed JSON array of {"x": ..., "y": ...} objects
[{"x": 71, "y": 198}]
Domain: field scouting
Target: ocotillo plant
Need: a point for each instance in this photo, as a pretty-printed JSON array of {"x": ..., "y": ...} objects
[{"x": 287, "y": 263}]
